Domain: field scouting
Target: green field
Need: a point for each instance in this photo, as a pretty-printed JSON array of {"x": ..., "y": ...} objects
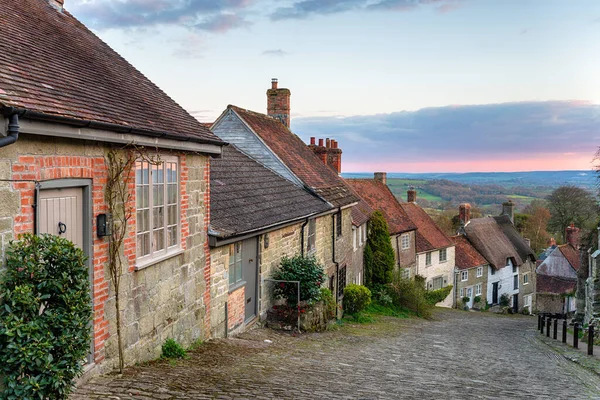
[{"x": 400, "y": 186}]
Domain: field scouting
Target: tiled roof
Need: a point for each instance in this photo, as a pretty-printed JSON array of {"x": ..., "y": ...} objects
[
  {"x": 296, "y": 155},
  {"x": 489, "y": 239},
  {"x": 557, "y": 263},
  {"x": 361, "y": 213},
  {"x": 246, "y": 196},
  {"x": 52, "y": 64},
  {"x": 466, "y": 256},
  {"x": 556, "y": 285},
  {"x": 379, "y": 197},
  {"x": 572, "y": 255},
  {"x": 429, "y": 236}
]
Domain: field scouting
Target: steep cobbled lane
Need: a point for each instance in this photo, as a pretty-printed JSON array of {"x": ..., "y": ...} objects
[{"x": 456, "y": 355}]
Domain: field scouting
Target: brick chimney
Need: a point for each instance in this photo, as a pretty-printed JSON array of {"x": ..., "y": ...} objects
[
  {"x": 380, "y": 177},
  {"x": 58, "y": 4},
  {"x": 508, "y": 209},
  {"x": 552, "y": 242},
  {"x": 411, "y": 195},
  {"x": 572, "y": 235},
  {"x": 278, "y": 103},
  {"x": 330, "y": 153},
  {"x": 464, "y": 213}
]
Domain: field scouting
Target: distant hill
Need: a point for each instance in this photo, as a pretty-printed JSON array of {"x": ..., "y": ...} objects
[{"x": 548, "y": 179}]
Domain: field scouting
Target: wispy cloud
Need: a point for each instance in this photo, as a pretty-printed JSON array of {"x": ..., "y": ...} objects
[
  {"x": 210, "y": 15},
  {"x": 275, "y": 53},
  {"x": 190, "y": 46}
]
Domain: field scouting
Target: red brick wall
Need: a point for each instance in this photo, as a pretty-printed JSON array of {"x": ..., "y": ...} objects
[{"x": 236, "y": 308}]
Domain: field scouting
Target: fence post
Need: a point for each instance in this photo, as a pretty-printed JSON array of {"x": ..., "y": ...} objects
[
  {"x": 590, "y": 340},
  {"x": 548, "y": 323},
  {"x": 555, "y": 328},
  {"x": 539, "y": 320},
  {"x": 564, "y": 332},
  {"x": 542, "y": 325},
  {"x": 576, "y": 335}
]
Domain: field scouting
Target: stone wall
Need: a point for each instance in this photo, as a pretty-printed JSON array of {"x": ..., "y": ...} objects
[
  {"x": 549, "y": 303},
  {"x": 162, "y": 300},
  {"x": 472, "y": 281},
  {"x": 408, "y": 256},
  {"x": 528, "y": 267},
  {"x": 219, "y": 289}
]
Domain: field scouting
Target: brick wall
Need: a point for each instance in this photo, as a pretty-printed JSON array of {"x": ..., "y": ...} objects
[{"x": 236, "y": 307}]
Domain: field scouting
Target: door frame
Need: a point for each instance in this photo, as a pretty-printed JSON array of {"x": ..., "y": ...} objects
[
  {"x": 256, "y": 278},
  {"x": 86, "y": 203},
  {"x": 495, "y": 285}
]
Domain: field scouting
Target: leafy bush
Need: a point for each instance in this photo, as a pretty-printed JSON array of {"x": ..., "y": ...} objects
[
  {"x": 379, "y": 253},
  {"x": 172, "y": 349},
  {"x": 410, "y": 294},
  {"x": 356, "y": 298},
  {"x": 435, "y": 296},
  {"x": 307, "y": 270},
  {"x": 326, "y": 297},
  {"x": 477, "y": 299},
  {"x": 466, "y": 299},
  {"x": 45, "y": 318},
  {"x": 504, "y": 300}
]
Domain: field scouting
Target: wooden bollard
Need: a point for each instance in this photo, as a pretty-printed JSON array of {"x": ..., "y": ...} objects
[
  {"x": 542, "y": 325},
  {"x": 564, "y": 332},
  {"x": 539, "y": 321},
  {"x": 590, "y": 340},
  {"x": 548, "y": 323},
  {"x": 576, "y": 335},
  {"x": 555, "y": 333}
]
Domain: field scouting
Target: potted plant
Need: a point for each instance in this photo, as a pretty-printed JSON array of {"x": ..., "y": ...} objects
[{"x": 465, "y": 301}]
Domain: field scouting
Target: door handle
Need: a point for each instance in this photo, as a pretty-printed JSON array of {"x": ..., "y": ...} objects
[
  {"x": 251, "y": 260},
  {"x": 62, "y": 228},
  {"x": 248, "y": 300}
]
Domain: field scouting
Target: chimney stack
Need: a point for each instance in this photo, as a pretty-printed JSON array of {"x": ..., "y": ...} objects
[
  {"x": 572, "y": 236},
  {"x": 312, "y": 141},
  {"x": 321, "y": 143},
  {"x": 380, "y": 177},
  {"x": 278, "y": 103},
  {"x": 552, "y": 242},
  {"x": 508, "y": 209},
  {"x": 464, "y": 213},
  {"x": 411, "y": 195},
  {"x": 330, "y": 154}
]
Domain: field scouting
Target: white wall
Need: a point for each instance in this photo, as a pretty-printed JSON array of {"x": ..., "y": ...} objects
[
  {"x": 505, "y": 278},
  {"x": 437, "y": 269}
]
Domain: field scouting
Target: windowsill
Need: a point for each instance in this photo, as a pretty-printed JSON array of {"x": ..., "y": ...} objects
[
  {"x": 236, "y": 286},
  {"x": 311, "y": 252},
  {"x": 146, "y": 263},
  {"x": 526, "y": 283},
  {"x": 464, "y": 280},
  {"x": 428, "y": 265},
  {"x": 445, "y": 261}
]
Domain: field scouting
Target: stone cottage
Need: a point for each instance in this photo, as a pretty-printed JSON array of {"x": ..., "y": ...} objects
[
  {"x": 402, "y": 230},
  {"x": 257, "y": 217},
  {"x": 471, "y": 273},
  {"x": 66, "y": 98},
  {"x": 268, "y": 140}
]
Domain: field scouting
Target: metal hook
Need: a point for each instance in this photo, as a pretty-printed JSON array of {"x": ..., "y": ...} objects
[{"x": 62, "y": 228}]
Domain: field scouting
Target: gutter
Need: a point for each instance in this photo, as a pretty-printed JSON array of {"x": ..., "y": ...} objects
[
  {"x": 12, "y": 134},
  {"x": 398, "y": 251}
]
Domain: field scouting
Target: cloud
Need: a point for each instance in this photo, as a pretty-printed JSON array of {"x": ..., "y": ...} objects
[
  {"x": 307, "y": 8},
  {"x": 275, "y": 53},
  {"x": 211, "y": 15},
  {"x": 508, "y": 131},
  {"x": 191, "y": 46}
]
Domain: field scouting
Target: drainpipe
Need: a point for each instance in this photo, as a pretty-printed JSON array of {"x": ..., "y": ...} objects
[
  {"x": 337, "y": 265},
  {"x": 398, "y": 252},
  {"x": 302, "y": 237},
  {"x": 13, "y": 127}
]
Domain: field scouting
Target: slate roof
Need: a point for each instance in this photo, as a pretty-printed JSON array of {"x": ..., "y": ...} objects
[
  {"x": 379, "y": 197},
  {"x": 245, "y": 196},
  {"x": 489, "y": 236},
  {"x": 52, "y": 64},
  {"x": 563, "y": 261},
  {"x": 296, "y": 155},
  {"x": 429, "y": 236},
  {"x": 466, "y": 256},
  {"x": 554, "y": 284}
]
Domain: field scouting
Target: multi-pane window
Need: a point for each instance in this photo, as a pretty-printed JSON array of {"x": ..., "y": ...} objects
[
  {"x": 516, "y": 282},
  {"x": 338, "y": 223},
  {"x": 360, "y": 240},
  {"x": 235, "y": 263},
  {"x": 478, "y": 289},
  {"x": 157, "y": 207},
  {"x": 428, "y": 258},
  {"x": 405, "y": 241},
  {"x": 461, "y": 292},
  {"x": 438, "y": 283},
  {"x": 464, "y": 275},
  {"x": 364, "y": 232},
  {"x": 354, "y": 238},
  {"x": 527, "y": 301},
  {"x": 406, "y": 273},
  {"x": 341, "y": 281},
  {"x": 443, "y": 255},
  {"x": 525, "y": 279},
  {"x": 311, "y": 242},
  {"x": 479, "y": 272}
]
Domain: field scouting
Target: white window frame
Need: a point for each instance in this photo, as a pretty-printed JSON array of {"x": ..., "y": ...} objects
[
  {"x": 405, "y": 241},
  {"x": 235, "y": 263},
  {"x": 364, "y": 231},
  {"x": 443, "y": 258},
  {"x": 428, "y": 259},
  {"x": 461, "y": 293},
  {"x": 169, "y": 249},
  {"x": 311, "y": 237},
  {"x": 354, "y": 238},
  {"x": 527, "y": 301},
  {"x": 439, "y": 279},
  {"x": 479, "y": 272},
  {"x": 360, "y": 236},
  {"x": 526, "y": 278},
  {"x": 406, "y": 273},
  {"x": 478, "y": 289},
  {"x": 464, "y": 276}
]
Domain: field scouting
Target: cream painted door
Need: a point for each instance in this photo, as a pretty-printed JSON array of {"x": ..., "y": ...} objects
[{"x": 61, "y": 213}]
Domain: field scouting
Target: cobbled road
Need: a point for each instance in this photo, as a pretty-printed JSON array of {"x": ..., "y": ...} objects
[{"x": 457, "y": 355}]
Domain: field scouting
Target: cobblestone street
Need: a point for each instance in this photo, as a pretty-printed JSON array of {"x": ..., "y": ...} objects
[{"x": 456, "y": 355}]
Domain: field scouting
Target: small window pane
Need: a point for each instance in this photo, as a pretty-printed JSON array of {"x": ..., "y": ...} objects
[
  {"x": 172, "y": 194},
  {"x": 172, "y": 236},
  {"x": 171, "y": 172},
  {"x": 143, "y": 244},
  {"x": 158, "y": 217},
  {"x": 159, "y": 239},
  {"x": 142, "y": 220}
]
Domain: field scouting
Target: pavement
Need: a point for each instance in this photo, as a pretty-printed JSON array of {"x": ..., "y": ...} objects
[{"x": 455, "y": 355}]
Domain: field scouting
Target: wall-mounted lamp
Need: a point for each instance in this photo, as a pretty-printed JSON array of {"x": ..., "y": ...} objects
[{"x": 104, "y": 225}]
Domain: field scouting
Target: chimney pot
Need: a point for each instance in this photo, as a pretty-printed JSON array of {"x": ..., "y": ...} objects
[
  {"x": 411, "y": 195},
  {"x": 380, "y": 177},
  {"x": 327, "y": 143},
  {"x": 320, "y": 142},
  {"x": 312, "y": 141},
  {"x": 274, "y": 83}
]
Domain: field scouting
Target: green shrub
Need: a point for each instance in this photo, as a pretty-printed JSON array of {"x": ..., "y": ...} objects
[
  {"x": 172, "y": 349},
  {"x": 466, "y": 299},
  {"x": 504, "y": 300},
  {"x": 356, "y": 298},
  {"x": 326, "y": 297},
  {"x": 410, "y": 294},
  {"x": 379, "y": 253},
  {"x": 45, "y": 318},
  {"x": 435, "y": 296},
  {"x": 477, "y": 299},
  {"x": 307, "y": 270}
]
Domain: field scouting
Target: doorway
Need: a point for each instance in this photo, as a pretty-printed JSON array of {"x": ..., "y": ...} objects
[{"x": 250, "y": 276}]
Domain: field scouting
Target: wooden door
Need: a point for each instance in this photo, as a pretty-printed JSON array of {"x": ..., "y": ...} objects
[
  {"x": 61, "y": 213},
  {"x": 250, "y": 275}
]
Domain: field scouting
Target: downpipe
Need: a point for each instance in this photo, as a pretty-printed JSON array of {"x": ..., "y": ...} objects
[{"x": 12, "y": 134}]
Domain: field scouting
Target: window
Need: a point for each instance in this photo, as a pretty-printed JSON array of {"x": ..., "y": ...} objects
[
  {"x": 516, "y": 282},
  {"x": 438, "y": 283},
  {"x": 478, "y": 289},
  {"x": 526, "y": 279},
  {"x": 360, "y": 240},
  {"x": 443, "y": 255},
  {"x": 311, "y": 242},
  {"x": 464, "y": 275},
  {"x": 364, "y": 232},
  {"x": 354, "y": 238},
  {"x": 341, "y": 281},
  {"x": 514, "y": 269},
  {"x": 492, "y": 271},
  {"x": 527, "y": 300},
  {"x": 428, "y": 258},
  {"x": 406, "y": 273},
  {"x": 405, "y": 241},
  {"x": 461, "y": 293},
  {"x": 235, "y": 263},
  {"x": 157, "y": 208},
  {"x": 479, "y": 272},
  {"x": 338, "y": 223}
]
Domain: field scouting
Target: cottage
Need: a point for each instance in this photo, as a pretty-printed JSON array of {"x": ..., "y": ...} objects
[
  {"x": 257, "y": 217},
  {"x": 66, "y": 98},
  {"x": 402, "y": 230},
  {"x": 268, "y": 140},
  {"x": 471, "y": 273}
]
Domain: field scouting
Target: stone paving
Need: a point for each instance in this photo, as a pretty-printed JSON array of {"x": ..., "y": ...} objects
[{"x": 456, "y": 355}]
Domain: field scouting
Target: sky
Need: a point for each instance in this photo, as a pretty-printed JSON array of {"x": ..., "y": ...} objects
[{"x": 402, "y": 85}]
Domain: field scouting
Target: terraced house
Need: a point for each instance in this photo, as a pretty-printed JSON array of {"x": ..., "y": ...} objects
[
  {"x": 66, "y": 98},
  {"x": 268, "y": 140}
]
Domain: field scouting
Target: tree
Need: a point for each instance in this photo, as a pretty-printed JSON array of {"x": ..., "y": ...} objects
[
  {"x": 535, "y": 226},
  {"x": 379, "y": 253},
  {"x": 570, "y": 204}
]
